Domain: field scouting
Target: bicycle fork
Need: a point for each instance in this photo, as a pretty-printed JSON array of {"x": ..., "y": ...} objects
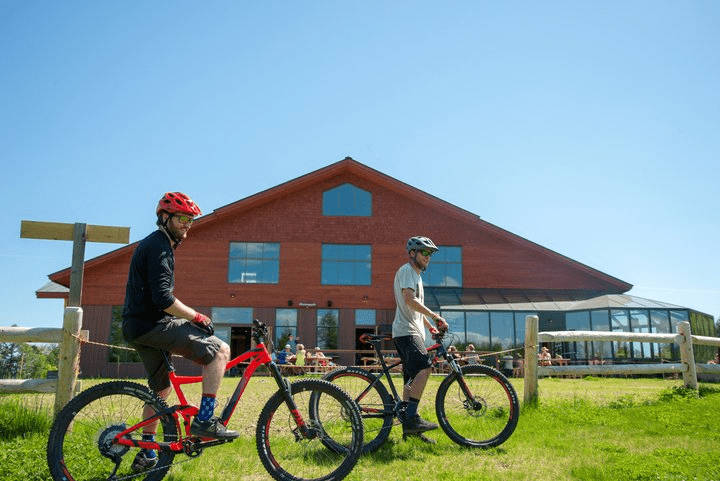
[{"x": 302, "y": 431}]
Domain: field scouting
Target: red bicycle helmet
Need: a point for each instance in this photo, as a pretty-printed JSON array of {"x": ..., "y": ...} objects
[{"x": 177, "y": 203}]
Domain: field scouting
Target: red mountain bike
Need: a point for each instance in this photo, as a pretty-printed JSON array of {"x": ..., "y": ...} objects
[
  {"x": 475, "y": 405},
  {"x": 308, "y": 430}
]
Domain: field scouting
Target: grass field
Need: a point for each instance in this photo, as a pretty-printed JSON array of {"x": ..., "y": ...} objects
[{"x": 582, "y": 429}]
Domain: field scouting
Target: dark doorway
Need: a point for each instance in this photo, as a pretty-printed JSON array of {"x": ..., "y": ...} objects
[
  {"x": 361, "y": 346},
  {"x": 240, "y": 340}
]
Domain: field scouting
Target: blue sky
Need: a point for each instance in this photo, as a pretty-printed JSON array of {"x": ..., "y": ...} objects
[{"x": 590, "y": 128}]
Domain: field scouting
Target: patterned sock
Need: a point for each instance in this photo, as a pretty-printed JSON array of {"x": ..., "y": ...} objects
[
  {"x": 149, "y": 453},
  {"x": 207, "y": 407},
  {"x": 412, "y": 407}
]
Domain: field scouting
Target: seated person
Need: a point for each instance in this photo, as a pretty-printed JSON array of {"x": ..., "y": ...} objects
[
  {"x": 319, "y": 358},
  {"x": 472, "y": 357},
  {"x": 300, "y": 355},
  {"x": 285, "y": 356},
  {"x": 452, "y": 350},
  {"x": 544, "y": 357}
]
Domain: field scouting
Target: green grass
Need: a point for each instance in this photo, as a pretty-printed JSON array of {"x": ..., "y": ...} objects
[{"x": 582, "y": 429}]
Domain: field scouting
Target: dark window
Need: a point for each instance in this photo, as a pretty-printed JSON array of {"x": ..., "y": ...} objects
[
  {"x": 285, "y": 326},
  {"x": 327, "y": 328}
]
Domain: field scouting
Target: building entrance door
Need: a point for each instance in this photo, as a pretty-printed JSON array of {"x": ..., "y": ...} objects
[
  {"x": 240, "y": 340},
  {"x": 361, "y": 346}
]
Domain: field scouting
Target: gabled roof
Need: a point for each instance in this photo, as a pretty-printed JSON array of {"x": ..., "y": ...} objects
[{"x": 349, "y": 167}]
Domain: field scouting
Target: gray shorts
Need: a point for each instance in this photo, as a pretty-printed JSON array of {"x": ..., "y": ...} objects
[
  {"x": 413, "y": 354},
  {"x": 174, "y": 336}
]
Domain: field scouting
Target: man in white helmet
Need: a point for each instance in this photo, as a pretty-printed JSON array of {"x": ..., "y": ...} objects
[{"x": 411, "y": 319}]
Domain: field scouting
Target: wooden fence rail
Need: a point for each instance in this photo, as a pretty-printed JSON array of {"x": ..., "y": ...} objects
[
  {"x": 69, "y": 357},
  {"x": 684, "y": 339}
]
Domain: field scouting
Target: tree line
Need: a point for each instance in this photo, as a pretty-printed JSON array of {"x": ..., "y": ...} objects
[{"x": 27, "y": 361}]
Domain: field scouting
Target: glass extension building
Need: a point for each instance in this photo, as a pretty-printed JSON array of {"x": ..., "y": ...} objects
[{"x": 497, "y": 327}]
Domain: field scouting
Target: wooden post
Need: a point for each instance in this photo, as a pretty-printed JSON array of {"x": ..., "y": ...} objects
[
  {"x": 79, "y": 233},
  {"x": 78, "y": 265},
  {"x": 69, "y": 358},
  {"x": 531, "y": 359},
  {"x": 687, "y": 355}
]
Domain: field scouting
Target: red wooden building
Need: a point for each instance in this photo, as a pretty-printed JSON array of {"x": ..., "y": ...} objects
[{"x": 316, "y": 256}]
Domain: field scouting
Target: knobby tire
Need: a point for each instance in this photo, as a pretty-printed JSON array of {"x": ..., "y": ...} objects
[
  {"x": 79, "y": 446},
  {"x": 375, "y": 403},
  {"x": 488, "y": 418},
  {"x": 334, "y": 445}
]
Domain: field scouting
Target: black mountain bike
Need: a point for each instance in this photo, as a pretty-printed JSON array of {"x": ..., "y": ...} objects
[{"x": 475, "y": 404}]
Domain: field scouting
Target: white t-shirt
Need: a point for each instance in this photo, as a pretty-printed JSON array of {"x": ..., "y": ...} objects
[{"x": 407, "y": 321}]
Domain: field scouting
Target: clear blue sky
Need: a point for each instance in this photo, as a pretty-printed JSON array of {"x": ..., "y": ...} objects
[{"x": 590, "y": 128}]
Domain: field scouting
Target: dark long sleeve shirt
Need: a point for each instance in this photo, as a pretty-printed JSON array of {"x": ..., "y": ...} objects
[{"x": 150, "y": 285}]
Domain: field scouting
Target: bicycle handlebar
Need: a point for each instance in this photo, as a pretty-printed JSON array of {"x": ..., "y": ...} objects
[
  {"x": 371, "y": 338},
  {"x": 260, "y": 331}
]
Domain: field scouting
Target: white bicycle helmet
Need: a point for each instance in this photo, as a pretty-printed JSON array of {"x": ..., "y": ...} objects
[{"x": 418, "y": 243}]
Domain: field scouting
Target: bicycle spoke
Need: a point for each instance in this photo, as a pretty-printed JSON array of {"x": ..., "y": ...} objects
[
  {"x": 331, "y": 445},
  {"x": 80, "y": 446},
  {"x": 487, "y": 417}
]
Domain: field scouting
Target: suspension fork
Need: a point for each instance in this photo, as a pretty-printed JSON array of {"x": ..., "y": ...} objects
[
  {"x": 284, "y": 386},
  {"x": 455, "y": 367}
]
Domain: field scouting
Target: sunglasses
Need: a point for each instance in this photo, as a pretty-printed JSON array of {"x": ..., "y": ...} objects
[
  {"x": 425, "y": 252},
  {"x": 184, "y": 219}
]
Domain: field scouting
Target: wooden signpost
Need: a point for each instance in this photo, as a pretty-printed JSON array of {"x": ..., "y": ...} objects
[{"x": 69, "y": 359}]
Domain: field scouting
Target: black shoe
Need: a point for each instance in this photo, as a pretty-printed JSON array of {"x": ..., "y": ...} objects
[
  {"x": 212, "y": 428},
  {"x": 421, "y": 437},
  {"x": 416, "y": 424},
  {"x": 143, "y": 463}
]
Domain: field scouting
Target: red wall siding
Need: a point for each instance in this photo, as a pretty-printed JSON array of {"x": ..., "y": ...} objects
[{"x": 491, "y": 258}]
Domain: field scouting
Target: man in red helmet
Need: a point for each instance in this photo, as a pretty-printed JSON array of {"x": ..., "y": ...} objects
[{"x": 155, "y": 322}]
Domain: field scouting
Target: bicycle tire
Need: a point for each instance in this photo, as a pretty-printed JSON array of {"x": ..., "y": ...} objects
[
  {"x": 329, "y": 413},
  {"x": 375, "y": 403},
  {"x": 489, "y": 418},
  {"x": 82, "y": 431}
]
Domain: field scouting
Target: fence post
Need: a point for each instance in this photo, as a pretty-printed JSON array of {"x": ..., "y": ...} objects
[
  {"x": 687, "y": 355},
  {"x": 531, "y": 358},
  {"x": 69, "y": 358}
]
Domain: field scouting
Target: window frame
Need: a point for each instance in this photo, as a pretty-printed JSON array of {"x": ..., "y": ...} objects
[
  {"x": 337, "y": 263},
  {"x": 241, "y": 264},
  {"x": 335, "y": 201}
]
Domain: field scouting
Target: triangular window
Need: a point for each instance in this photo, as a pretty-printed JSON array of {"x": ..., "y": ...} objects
[{"x": 347, "y": 200}]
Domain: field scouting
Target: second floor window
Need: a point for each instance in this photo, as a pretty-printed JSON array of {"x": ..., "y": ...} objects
[
  {"x": 346, "y": 264},
  {"x": 254, "y": 263}
]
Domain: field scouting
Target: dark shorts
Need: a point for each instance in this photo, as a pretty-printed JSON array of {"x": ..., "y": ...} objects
[
  {"x": 413, "y": 354},
  {"x": 174, "y": 336}
]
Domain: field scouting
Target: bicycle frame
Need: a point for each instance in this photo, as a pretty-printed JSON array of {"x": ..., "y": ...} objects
[
  {"x": 258, "y": 356},
  {"x": 439, "y": 349}
]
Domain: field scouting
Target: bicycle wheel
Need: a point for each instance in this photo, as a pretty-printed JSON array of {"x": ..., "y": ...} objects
[
  {"x": 375, "y": 403},
  {"x": 80, "y": 443},
  {"x": 484, "y": 419},
  {"x": 288, "y": 454}
]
